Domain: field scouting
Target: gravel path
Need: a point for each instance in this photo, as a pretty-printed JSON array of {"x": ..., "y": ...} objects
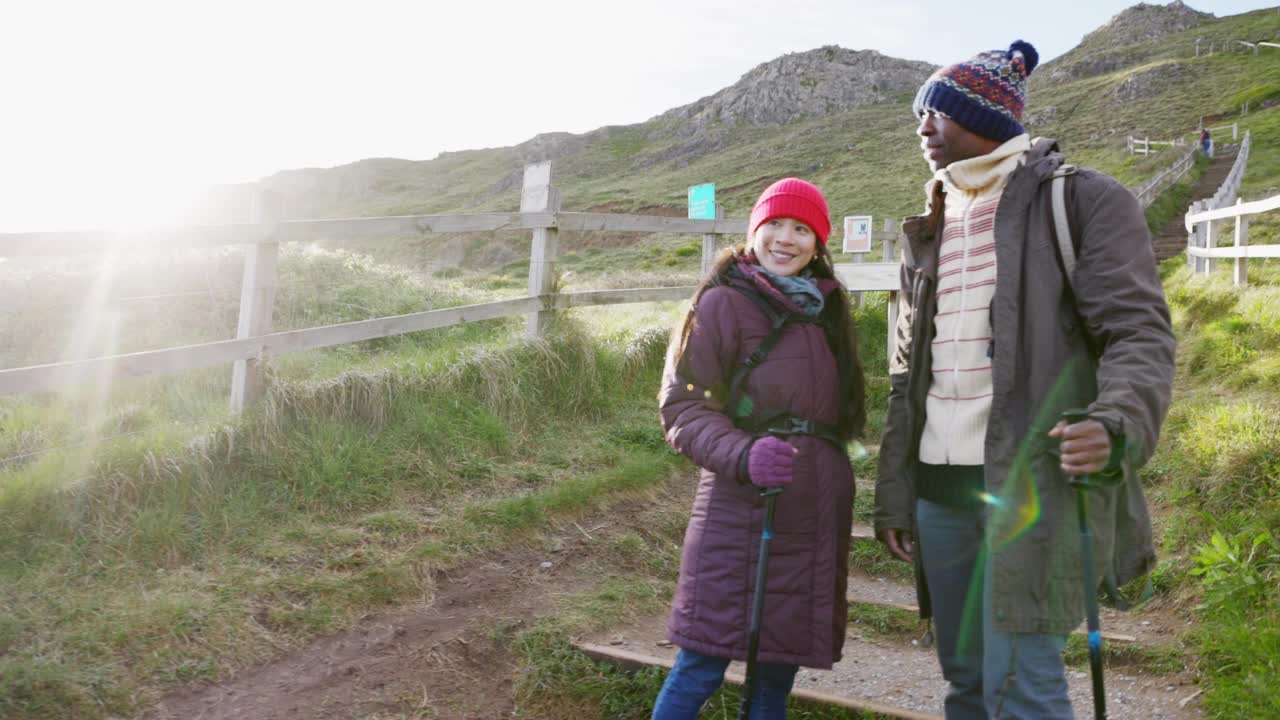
[{"x": 902, "y": 673}]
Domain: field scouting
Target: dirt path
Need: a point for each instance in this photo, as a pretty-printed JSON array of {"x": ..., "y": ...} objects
[
  {"x": 440, "y": 658},
  {"x": 421, "y": 661}
]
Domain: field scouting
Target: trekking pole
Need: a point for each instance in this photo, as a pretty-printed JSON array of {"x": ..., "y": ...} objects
[
  {"x": 1082, "y": 484},
  {"x": 770, "y": 496}
]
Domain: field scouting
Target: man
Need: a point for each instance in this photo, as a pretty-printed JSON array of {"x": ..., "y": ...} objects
[{"x": 993, "y": 344}]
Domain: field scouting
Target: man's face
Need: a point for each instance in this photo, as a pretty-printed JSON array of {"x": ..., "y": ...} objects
[{"x": 944, "y": 141}]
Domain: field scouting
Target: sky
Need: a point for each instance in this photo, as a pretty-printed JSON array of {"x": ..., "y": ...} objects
[{"x": 113, "y": 113}]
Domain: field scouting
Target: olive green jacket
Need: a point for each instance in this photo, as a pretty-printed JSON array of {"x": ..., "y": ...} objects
[{"x": 1108, "y": 346}]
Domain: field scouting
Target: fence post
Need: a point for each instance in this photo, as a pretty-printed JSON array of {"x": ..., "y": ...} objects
[
  {"x": 537, "y": 195},
  {"x": 1241, "y": 274},
  {"x": 858, "y": 300},
  {"x": 1192, "y": 235},
  {"x": 1200, "y": 236},
  {"x": 257, "y": 300},
  {"x": 890, "y": 226},
  {"x": 1210, "y": 242},
  {"x": 710, "y": 244}
]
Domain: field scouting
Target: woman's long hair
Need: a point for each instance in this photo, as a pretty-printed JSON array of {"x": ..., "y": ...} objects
[{"x": 836, "y": 320}]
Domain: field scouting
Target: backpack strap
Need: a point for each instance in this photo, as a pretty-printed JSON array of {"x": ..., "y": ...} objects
[
  {"x": 763, "y": 421},
  {"x": 777, "y": 323},
  {"x": 1062, "y": 229}
]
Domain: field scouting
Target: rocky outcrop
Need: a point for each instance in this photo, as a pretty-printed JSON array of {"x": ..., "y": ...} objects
[
  {"x": 1109, "y": 48},
  {"x": 1144, "y": 22},
  {"x": 793, "y": 87},
  {"x": 1147, "y": 82},
  {"x": 1040, "y": 116}
]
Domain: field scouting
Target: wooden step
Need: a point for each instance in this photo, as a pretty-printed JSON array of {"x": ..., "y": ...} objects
[
  {"x": 867, "y": 599},
  {"x": 633, "y": 661}
]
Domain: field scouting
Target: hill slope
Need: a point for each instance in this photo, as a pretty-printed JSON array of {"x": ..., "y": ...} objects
[{"x": 856, "y": 142}]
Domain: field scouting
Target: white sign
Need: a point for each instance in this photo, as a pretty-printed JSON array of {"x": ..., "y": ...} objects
[{"x": 857, "y": 233}]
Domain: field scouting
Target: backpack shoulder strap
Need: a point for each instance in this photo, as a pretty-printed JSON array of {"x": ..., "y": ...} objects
[
  {"x": 1062, "y": 229},
  {"x": 777, "y": 323},
  {"x": 1067, "y": 244}
]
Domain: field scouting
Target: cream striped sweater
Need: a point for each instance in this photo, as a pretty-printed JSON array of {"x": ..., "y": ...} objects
[{"x": 959, "y": 401}]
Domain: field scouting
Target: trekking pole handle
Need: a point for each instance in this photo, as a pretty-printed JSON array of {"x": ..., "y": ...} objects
[{"x": 1073, "y": 416}]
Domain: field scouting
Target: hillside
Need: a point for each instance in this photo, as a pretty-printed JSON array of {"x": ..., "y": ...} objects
[
  {"x": 419, "y": 526},
  {"x": 1135, "y": 75}
]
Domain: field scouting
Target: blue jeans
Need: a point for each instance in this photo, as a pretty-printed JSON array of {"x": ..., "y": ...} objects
[
  {"x": 696, "y": 677},
  {"x": 991, "y": 674}
]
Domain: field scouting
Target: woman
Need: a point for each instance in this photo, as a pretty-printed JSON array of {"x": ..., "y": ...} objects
[{"x": 784, "y": 423}]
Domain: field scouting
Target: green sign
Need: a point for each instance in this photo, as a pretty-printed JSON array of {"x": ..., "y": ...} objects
[{"x": 702, "y": 202}]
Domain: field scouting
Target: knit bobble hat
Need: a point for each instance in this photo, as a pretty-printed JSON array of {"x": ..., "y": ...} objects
[
  {"x": 984, "y": 94},
  {"x": 793, "y": 198}
]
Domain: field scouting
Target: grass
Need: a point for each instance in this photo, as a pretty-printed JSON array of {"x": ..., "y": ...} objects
[
  {"x": 1219, "y": 467},
  {"x": 145, "y": 563}
]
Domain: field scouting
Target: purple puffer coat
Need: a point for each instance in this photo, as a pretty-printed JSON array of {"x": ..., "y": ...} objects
[{"x": 805, "y": 609}]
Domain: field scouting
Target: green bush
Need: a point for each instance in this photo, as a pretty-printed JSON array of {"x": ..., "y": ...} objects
[{"x": 1238, "y": 571}]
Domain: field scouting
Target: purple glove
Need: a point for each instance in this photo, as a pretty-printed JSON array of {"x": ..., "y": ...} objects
[{"x": 770, "y": 461}]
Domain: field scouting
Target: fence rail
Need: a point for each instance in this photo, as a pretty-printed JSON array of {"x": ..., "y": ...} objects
[
  {"x": 255, "y": 341},
  {"x": 1145, "y": 145},
  {"x": 1148, "y": 193},
  {"x": 1240, "y": 251}
]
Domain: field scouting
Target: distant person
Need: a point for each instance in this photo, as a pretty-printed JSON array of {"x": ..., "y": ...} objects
[
  {"x": 992, "y": 346},
  {"x": 1206, "y": 142},
  {"x": 787, "y": 425}
]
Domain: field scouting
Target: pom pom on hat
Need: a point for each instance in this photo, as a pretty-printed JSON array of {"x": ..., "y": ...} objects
[
  {"x": 1029, "y": 54},
  {"x": 985, "y": 94},
  {"x": 793, "y": 198}
]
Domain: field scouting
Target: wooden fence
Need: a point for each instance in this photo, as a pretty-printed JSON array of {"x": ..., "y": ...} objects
[
  {"x": 1202, "y": 215},
  {"x": 1232, "y": 44},
  {"x": 1149, "y": 191},
  {"x": 1201, "y": 223},
  {"x": 255, "y": 342},
  {"x": 1146, "y": 146}
]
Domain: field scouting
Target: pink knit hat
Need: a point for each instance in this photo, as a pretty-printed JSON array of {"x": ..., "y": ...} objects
[{"x": 793, "y": 198}]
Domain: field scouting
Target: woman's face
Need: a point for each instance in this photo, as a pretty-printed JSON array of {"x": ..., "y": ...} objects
[{"x": 784, "y": 246}]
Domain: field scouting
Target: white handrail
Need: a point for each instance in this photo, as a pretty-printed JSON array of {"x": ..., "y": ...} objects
[
  {"x": 1146, "y": 194},
  {"x": 1244, "y": 251},
  {"x": 1233, "y": 211}
]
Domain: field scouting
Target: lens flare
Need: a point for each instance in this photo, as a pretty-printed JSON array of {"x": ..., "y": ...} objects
[{"x": 1018, "y": 507}]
